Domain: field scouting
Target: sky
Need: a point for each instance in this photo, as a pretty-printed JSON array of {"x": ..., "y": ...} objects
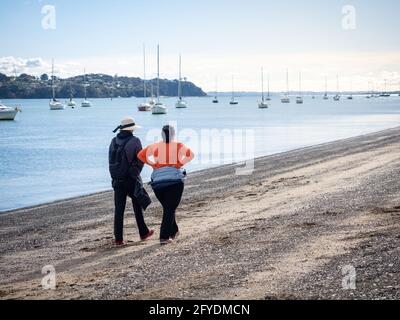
[{"x": 358, "y": 39}]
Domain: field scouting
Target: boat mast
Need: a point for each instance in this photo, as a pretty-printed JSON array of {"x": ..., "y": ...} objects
[
  {"x": 233, "y": 91},
  {"x": 180, "y": 77},
  {"x": 262, "y": 84},
  {"x": 216, "y": 87},
  {"x": 158, "y": 73},
  {"x": 326, "y": 85},
  {"x": 84, "y": 82},
  {"x": 144, "y": 71},
  {"x": 385, "y": 86},
  {"x": 337, "y": 83},
  {"x": 287, "y": 82},
  {"x": 52, "y": 79},
  {"x": 300, "y": 84}
]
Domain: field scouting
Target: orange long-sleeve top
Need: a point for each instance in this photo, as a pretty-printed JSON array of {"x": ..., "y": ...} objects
[{"x": 161, "y": 154}]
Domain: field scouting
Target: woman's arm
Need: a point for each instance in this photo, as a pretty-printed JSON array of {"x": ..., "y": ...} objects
[
  {"x": 145, "y": 154},
  {"x": 185, "y": 155}
]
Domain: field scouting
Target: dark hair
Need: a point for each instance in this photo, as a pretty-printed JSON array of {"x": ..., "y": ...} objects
[{"x": 168, "y": 133}]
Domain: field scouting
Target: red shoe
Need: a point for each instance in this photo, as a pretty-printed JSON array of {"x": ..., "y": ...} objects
[
  {"x": 164, "y": 242},
  {"x": 147, "y": 236},
  {"x": 119, "y": 243}
]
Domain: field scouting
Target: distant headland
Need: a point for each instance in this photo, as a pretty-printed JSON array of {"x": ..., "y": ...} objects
[{"x": 27, "y": 86}]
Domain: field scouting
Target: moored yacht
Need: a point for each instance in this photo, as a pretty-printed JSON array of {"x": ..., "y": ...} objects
[
  {"x": 181, "y": 103},
  {"x": 85, "y": 103},
  {"x": 159, "y": 107},
  {"x": 144, "y": 106},
  {"x": 71, "y": 103},
  {"x": 233, "y": 101},
  {"x": 54, "y": 104},
  {"x": 337, "y": 96},
  {"x": 299, "y": 98},
  {"x": 215, "y": 100},
  {"x": 326, "y": 89},
  {"x": 262, "y": 104},
  {"x": 285, "y": 98},
  {"x": 8, "y": 113}
]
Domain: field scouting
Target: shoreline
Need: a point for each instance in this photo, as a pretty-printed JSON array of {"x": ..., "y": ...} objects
[
  {"x": 284, "y": 232},
  {"x": 199, "y": 171}
]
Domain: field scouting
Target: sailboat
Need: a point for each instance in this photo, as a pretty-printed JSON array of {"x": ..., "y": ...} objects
[
  {"x": 268, "y": 93},
  {"x": 8, "y": 113},
  {"x": 54, "y": 103},
  {"x": 385, "y": 94},
  {"x": 215, "y": 100},
  {"x": 152, "y": 101},
  {"x": 350, "y": 96},
  {"x": 233, "y": 101},
  {"x": 144, "y": 106},
  {"x": 180, "y": 104},
  {"x": 299, "y": 98},
  {"x": 285, "y": 98},
  {"x": 71, "y": 103},
  {"x": 368, "y": 96},
  {"x": 262, "y": 104},
  {"x": 159, "y": 107},
  {"x": 326, "y": 89},
  {"x": 337, "y": 96},
  {"x": 85, "y": 103}
]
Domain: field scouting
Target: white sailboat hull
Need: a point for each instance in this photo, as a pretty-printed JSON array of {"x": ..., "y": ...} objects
[
  {"x": 181, "y": 104},
  {"x": 263, "y": 105},
  {"x": 159, "y": 108},
  {"x": 285, "y": 100},
  {"x": 299, "y": 100},
  {"x": 86, "y": 104},
  {"x": 56, "y": 105},
  {"x": 71, "y": 104},
  {"x": 8, "y": 113},
  {"x": 143, "y": 107},
  {"x": 336, "y": 98}
]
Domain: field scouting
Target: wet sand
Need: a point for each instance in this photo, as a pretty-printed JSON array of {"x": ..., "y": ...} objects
[{"x": 284, "y": 232}]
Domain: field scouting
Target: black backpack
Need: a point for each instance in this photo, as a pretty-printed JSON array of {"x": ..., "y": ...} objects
[{"x": 118, "y": 161}]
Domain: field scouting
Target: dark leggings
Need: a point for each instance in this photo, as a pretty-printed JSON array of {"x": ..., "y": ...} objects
[{"x": 169, "y": 197}]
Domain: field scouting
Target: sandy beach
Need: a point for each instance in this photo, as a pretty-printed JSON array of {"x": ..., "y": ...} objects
[{"x": 284, "y": 232}]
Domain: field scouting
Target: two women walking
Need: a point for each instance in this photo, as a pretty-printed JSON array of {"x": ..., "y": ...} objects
[{"x": 126, "y": 160}]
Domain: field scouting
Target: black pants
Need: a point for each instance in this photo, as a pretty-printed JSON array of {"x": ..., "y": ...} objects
[
  {"x": 121, "y": 192},
  {"x": 169, "y": 197}
]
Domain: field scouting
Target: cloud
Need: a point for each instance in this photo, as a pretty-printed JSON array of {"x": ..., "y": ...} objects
[
  {"x": 11, "y": 65},
  {"x": 34, "y": 63}
]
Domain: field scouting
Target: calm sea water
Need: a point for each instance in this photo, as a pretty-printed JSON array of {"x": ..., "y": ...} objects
[{"x": 48, "y": 155}]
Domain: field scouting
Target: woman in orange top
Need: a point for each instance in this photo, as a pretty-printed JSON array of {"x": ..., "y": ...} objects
[{"x": 167, "y": 158}]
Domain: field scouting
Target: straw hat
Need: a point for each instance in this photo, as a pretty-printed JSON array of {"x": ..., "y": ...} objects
[{"x": 127, "y": 124}]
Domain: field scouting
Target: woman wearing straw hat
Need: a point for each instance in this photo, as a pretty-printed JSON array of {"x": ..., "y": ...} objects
[
  {"x": 125, "y": 169},
  {"x": 167, "y": 158}
]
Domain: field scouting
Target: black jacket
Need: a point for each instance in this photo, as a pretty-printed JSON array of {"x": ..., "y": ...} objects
[
  {"x": 132, "y": 148},
  {"x": 133, "y": 183}
]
